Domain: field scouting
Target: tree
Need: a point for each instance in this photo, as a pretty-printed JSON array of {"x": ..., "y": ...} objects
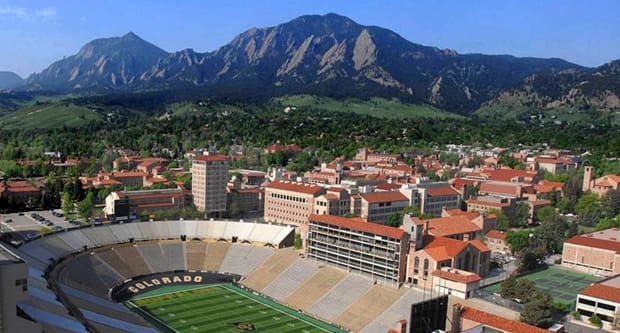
[
  {"x": 589, "y": 209},
  {"x": 395, "y": 220},
  {"x": 517, "y": 214},
  {"x": 538, "y": 311},
  {"x": 573, "y": 229},
  {"x": 518, "y": 240},
  {"x": 525, "y": 290},
  {"x": 611, "y": 203},
  {"x": 545, "y": 213},
  {"x": 67, "y": 204},
  {"x": 297, "y": 242},
  {"x": 530, "y": 259},
  {"x": 551, "y": 233},
  {"x": 86, "y": 206},
  {"x": 508, "y": 287}
]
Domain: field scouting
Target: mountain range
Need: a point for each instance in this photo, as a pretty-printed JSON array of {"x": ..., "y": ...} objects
[
  {"x": 10, "y": 80},
  {"x": 333, "y": 56}
]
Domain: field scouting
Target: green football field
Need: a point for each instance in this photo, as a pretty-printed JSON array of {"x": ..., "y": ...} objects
[{"x": 220, "y": 308}]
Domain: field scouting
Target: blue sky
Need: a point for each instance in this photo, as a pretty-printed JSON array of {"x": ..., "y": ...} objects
[{"x": 35, "y": 33}]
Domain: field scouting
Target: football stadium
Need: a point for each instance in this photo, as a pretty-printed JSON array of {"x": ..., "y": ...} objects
[{"x": 198, "y": 276}]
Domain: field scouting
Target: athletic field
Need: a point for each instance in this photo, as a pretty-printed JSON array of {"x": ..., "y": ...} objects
[
  {"x": 220, "y": 308},
  {"x": 562, "y": 284}
]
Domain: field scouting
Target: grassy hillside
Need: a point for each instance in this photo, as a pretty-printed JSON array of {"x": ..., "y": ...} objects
[
  {"x": 376, "y": 107},
  {"x": 49, "y": 115}
]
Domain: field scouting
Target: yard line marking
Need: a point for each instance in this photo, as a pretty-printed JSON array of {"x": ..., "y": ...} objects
[
  {"x": 151, "y": 316},
  {"x": 270, "y": 306}
]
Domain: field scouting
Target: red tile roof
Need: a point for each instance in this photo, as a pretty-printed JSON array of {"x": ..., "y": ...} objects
[
  {"x": 128, "y": 174},
  {"x": 358, "y": 224},
  {"x": 455, "y": 275},
  {"x": 602, "y": 291},
  {"x": 496, "y": 234},
  {"x": 505, "y": 188},
  {"x": 376, "y": 197},
  {"x": 506, "y": 174},
  {"x": 459, "y": 183},
  {"x": 441, "y": 191},
  {"x": 604, "y": 244},
  {"x": 452, "y": 246},
  {"x": 451, "y": 225},
  {"x": 479, "y": 245},
  {"x": 498, "y": 322},
  {"x": 295, "y": 187},
  {"x": 212, "y": 158},
  {"x": 488, "y": 203},
  {"x": 388, "y": 186},
  {"x": 458, "y": 212}
]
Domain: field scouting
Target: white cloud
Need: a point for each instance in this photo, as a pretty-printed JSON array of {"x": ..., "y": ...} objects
[{"x": 25, "y": 14}]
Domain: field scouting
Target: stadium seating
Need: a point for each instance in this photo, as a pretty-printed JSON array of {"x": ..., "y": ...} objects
[
  {"x": 341, "y": 296},
  {"x": 368, "y": 307},
  {"x": 153, "y": 257},
  {"x": 291, "y": 279},
  {"x": 111, "y": 258},
  {"x": 174, "y": 257},
  {"x": 242, "y": 258},
  {"x": 194, "y": 255},
  {"x": 76, "y": 240},
  {"x": 270, "y": 269},
  {"x": 315, "y": 287},
  {"x": 134, "y": 260},
  {"x": 398, "y": 310},
  {"x": 100, "y": 235},
  {"x": 215, "y": 255}
]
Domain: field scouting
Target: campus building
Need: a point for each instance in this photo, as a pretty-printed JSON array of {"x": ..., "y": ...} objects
[
  {"x": 376, "y": 207},
  {"x": 470, "y": 320},
  {"x": 599, "y": 185},
  {"x": 290, "y": 202},
  {"x": 603, "y": 299},
  {"x": 13, "y": 290},
  {"x": 209, "y": 182},
  {"x": 596, "y": 253},
  {"x": 120, "y": 205},
  {"x": 368, "y": 248}
]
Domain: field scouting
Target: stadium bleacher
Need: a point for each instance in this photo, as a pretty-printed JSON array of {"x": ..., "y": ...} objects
[
  {"x": 153, "y": 256},
  {"x": 194, "y": 254},
  {"x": 315, "y": 287},
  {"x": 243, "y": 258},
  {"x": 291, "y": 279},
  {"x": 341, "y": 296},
  {"x": 215, "y": 255},
  {"x": 368, "y": 307},
  {"x": 174, "y": 256},
  {"x": 398, "y": 310},
  {"x": 111, "y": 258},
  {"x": 260, "y": 278}
]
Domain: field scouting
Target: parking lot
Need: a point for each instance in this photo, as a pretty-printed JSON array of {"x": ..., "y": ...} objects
[{"x": 25, "y": 225}]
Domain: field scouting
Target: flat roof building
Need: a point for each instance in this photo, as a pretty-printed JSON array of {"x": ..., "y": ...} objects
[
  {"x": 209, "y": 182},
  {"x": 371, "y": 249},
  {"x": 595, "y": 253}
]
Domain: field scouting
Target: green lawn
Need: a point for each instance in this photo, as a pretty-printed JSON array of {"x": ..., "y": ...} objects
[
  {"x": 220, "y": 308},
  {"x": 562, "y": 284},
  {"x": 376, "y": 107},
  {"x": 50, "y": 115}
]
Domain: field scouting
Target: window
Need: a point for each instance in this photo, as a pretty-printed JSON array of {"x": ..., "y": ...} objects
[
  {"x": 425, "y": 268},
  {"x": 586, "y": 301},
  {"x": 606, "y": 306},
  {"x": 416, "y": 265}
]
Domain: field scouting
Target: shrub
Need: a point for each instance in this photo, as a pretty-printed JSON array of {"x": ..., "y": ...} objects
[
  {"x": 596, "y": 321},
  {"x": 576, "y": 315}
]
